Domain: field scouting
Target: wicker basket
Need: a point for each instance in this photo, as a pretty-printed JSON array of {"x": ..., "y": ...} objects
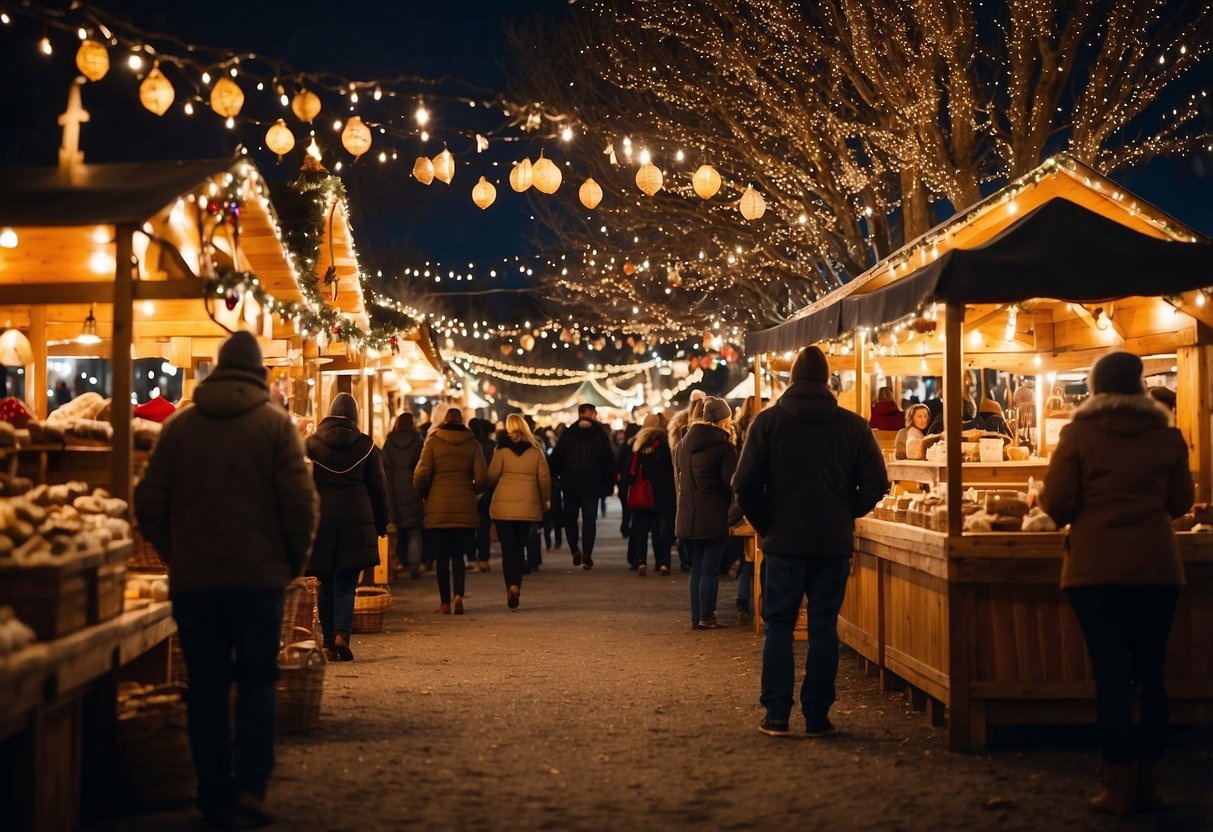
[
  {"x": 370, "y": 603},
  {"x": 152, "y": 760},
  {"x": 144, "y": 557},
  {"x": 307, "y": 613},
  {"x": 300, "y": 685}
]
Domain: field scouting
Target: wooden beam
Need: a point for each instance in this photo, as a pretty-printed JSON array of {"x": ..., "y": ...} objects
[
  {"x": 953, "y": 405},
  {"x": 1194, "y": 414},
  {"x": 863, "y": 389},
  {"x": 99, "y": 291},
  {"x": 122, "y": 366}
]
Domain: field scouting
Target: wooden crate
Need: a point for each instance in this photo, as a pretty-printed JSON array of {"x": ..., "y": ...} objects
[
  {"x": 53, "y": 600},
  {"x": 106, "y": 598}
]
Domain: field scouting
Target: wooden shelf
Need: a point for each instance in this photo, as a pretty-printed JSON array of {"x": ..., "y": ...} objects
[{"x": 984, "y": 473}]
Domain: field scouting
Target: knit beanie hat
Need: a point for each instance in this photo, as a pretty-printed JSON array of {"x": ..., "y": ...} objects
[
  {"x": 652, "y": 421},
  {"x": 1117, "y": 372},
  {"x": 716, "y": 410},
  {"x": 811, "y": 365},
  {"x": 438, "y": 413},
  {"x": 242, "y": 352},
  {"x": 344, "y": 406}
]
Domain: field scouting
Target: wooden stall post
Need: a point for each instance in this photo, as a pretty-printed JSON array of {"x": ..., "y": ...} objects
[
  {"x": 1194, "y": 415},
  {"x": 863, "y": 389},
  {"x": 37, "y": 379},
  {"x": 757, "y": 385},
  {"x": 121, "y": 341},
  {"x": 953, "y": 410}
]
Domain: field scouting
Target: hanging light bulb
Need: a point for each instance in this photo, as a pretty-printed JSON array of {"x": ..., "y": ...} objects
[
  {"x": 44, "y": 46},
  {"x": 422, "y": 115},
  {"x": 1012, "y": 324},
  {"x": 88, "y": 334},
  {"x": 1102, "y": 320}
]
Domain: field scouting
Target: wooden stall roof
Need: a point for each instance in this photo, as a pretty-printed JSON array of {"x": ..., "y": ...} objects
[{"x": 1058, "y": 180}]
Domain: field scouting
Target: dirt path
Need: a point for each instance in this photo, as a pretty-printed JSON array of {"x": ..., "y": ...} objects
[{"x": 595, "y": 706}]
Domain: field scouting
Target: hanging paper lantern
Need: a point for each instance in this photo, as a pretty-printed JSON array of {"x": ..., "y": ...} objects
[
  {"x": 545, "y": 175},
  {"x": 522, "y": 176},
  {"x": 227, "y": 98},
  {"x": 752, "y": 206},
  {"x": 590, "y": 194},
  {"x": 527, "y": 342},
  {"x": 423, "y": 170},
  {"x": 356, "y": 137},
  {"x": 305, "y": 105},
  {"x": 156, "y": 93},
  {"x": 484, "y": 193},
  {"x": 444, "y": 166},
  {"x": 279, "y": 138},
  {"x": 506, "y": 349},
  {"x": 706, "y": 181},
  {"x": 93, "y": 60},
  {"x": 629, "y": 269},
  {"x": 648, "y": 178}
]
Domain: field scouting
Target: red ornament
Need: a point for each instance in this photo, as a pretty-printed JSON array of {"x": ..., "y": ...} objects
[
  {"x": 629, "y": 269},
  {"x": 231, "y": 299}
]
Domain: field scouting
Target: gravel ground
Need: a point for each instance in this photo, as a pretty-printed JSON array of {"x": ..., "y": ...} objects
[{"x": 594, "y": 706}]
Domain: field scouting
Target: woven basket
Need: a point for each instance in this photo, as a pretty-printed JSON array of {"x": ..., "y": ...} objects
[
  {"x": 307, "y": 613},
  {"x": 370, "y": 603},
  {"x": 300, "y": 685},
  {"x": 152, "y": 757}
]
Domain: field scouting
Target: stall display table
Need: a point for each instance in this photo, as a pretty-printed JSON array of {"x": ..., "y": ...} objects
[
  {"x": 1003, "y": 474},
  {"x": 753, "y": 553}
]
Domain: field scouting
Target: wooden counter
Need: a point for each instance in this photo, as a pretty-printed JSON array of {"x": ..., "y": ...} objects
[
  {"x": 975, "y": 473},
  {"x": 978, "y": 624}
]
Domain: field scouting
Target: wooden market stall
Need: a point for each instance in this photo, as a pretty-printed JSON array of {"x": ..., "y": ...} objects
[{"x": 1043, "y": 276}]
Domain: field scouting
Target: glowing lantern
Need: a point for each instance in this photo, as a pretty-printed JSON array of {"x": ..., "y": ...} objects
[
  {"x": 227, "y": 98},
  {"x": 156, "y": 93},
  {"x": 752, "y": 206},
  {"x": 484, "y": 193},
  {"x": 522, "y": 176},
  {"x": 423, "y": 170},
  {"x": 93, "y": 60},
  {"x": 506, "y": 349},
  {"x": 527, "y": 342},
  {"x": 305, "y": 105},
  {"x": 706, "y": 181},
  {"x": 648, "y": 178},
  {"x": 629, "y": 269},
  {"x": 590, "y": 194},
  {"x": 279, "y": 138},
  {"x": 356, "y": 137},
  {"x": 444, "y": 166},
  {"x": 545, "y": 175}
]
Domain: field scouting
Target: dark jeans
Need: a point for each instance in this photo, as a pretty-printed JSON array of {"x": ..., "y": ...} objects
[
  {"x": 534, "y": 547},
  {"x": 553, "y": 526},
  {"x": 1126, "y": 630},
  {"x": 480, "y": 540},
  {"x": 335, "y": 600},
  {"x": 513, "y": 535},
  {"x": 786, "y": 580},
  {"x": 625, "y": 513},
  {"x": 213, "y": 627},
  {"x": 448, "y": 546},
  {"x": 659, "y": 525},
  {"x": 586, "y": 506},
  {"x": 705, "y": 576},
  {"x": 745, "y": 585},
  {"x": 408, "y": 546}
]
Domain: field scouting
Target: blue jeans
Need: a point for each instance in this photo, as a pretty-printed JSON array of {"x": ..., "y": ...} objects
[
  {"x": 335, "y": 600},
  {"x": 705, "y": 576},
  {"x": 786, "y": 580},
  {"x": 211, "y": 625},
  {"x": 745, "y": 585}
]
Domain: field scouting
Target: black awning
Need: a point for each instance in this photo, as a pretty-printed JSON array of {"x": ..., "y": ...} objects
[{"x": 1060, "y": 251}]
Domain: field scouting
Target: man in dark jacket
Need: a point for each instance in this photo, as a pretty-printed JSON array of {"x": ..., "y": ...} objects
[
  {"x": 228, "y": 503},
  {"x": 807, "y": 470},
  {"x": 585, "y": 468}
]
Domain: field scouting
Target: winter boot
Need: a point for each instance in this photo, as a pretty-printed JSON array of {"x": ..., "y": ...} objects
[
  {"x": 1148, "y": 777},
  {"x": 1119, "y": 795}
]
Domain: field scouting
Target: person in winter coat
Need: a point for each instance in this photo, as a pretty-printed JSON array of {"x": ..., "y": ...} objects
[
  {"x": 354, "y": 513},
  {"x": 450, "y": 477},
  {"x": 705, "y": 463},
  {"x": 401, "y": 450},
  {"x": 522, "y": 492},
  {"x": 1118, "y": 476},
  {"x": 651, "y": 460},
  {"x": 480, "y": 543},
  {"x": 676, "y": 429},
  {"x": 623, "y": 461},
  {"x": 886, "y": 415},
  {"x": 228, "y": 503},
  {"x": 808, "y": 469},
  {"x": 583, "y": 464}
]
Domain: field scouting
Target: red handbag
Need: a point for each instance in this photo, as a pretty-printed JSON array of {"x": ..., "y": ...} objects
[{"x": 640, "y": 492}]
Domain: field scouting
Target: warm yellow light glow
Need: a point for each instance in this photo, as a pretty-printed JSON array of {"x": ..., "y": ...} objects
[
  {"x": 8, "y": 238},
  {"x": 101, "y": 262}
]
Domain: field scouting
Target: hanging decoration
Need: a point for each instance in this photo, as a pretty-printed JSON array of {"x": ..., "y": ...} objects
[
  {"x": 590, "y": 193},
  {"x": 752, "y": 205},
  {"x": 423, "y": 170},
  {"x": 527, "y": 342},
  {"x": 484, "y": 193},
  {"x": 356, "y": 137},
  {"x": 648, "y": 178},
  {"x": 444, "y": 166},
  {"x": 279, "y": 139},
  {"x": 227, "y": 99},
  {"x": 545, "y": 175},
  {"x": 522, "y": 176},
  {"x": 305, "y": 105},
  {"x": 93, "y": 60},
  {"x": 156, "y": 92},
  {"x": 706, "y": 181}
]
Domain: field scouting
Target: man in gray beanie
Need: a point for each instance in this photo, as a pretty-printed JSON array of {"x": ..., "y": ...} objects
[
  {"x": 807, "y": 470},
  {"x": 229, "y": 504}
]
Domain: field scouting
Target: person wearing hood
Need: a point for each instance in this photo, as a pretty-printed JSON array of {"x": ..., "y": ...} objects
[
  {"x": 807, "y": 470},
  {"x": 450, "y": 477},
  {"x": 705, "y": 463},
  {"x": 522, "y": 491},
  {"x": 1118, "y": 476},
  {"x": 480, "y": 544},
  {"x": 401, "y": 450},
  {"x": 583, "y": 464},
  {"x": 886, "y": 415},
  {"x": 228, "y": 503},
  {"x": 348, "y": 470},
  {"x": 651, "y": 461}
]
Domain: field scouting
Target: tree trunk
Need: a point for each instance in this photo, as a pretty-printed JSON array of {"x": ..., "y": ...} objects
[{"x": 915, "y": 207}]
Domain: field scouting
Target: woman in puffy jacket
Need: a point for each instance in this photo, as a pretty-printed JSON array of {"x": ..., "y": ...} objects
[
  {"x": 401, "y": 450},
  {"x": 348, "y": 472},
  {"x": 522, "y": 493},
  {"x": 450, "y": 476}
]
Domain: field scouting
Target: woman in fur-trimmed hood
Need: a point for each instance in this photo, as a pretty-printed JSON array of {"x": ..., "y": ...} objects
[
  {"x": 1118, "y": 476},
  {"x": 522, "y": 493}
]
